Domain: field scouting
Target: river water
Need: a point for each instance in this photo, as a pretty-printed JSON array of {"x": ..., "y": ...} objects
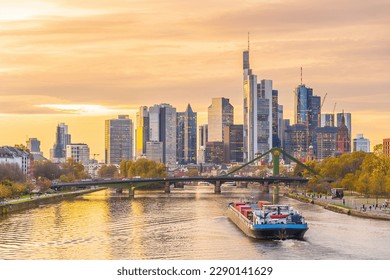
[{"x": 187, "y": 224}]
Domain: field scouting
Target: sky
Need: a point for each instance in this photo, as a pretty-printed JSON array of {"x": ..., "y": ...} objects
[{"x": 82, "y": 62}]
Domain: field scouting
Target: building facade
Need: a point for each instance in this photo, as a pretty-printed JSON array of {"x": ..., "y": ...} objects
[
  {"x": 63, "y": 138},
  {"x": 220, "y": 114},
  {"x": 118, "y": 140},
  {"x": 154, "y": 151},
  {"x": 386, "y": 147},
  {"x": 327, "y": 120},
  {"x": 141, "y": 131},
  {"x": 162, "y": 125},
  {"x": 326, "y": 141},
  {"x": 22, "y": 158},
  {"x": 186, "y": 136},
  {"x": 343, "y": 140},
  {"x": 233, "y": 144},
  {"x": 214, "y": 152},
  {"x": 347, "y": 122},
  {"x": 79, "y": 153},
  {"x": 361, "y": 144}
]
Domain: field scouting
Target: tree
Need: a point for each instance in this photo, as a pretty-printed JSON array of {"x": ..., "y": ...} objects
[
  {"x": 12, "y": 172},
  {"x": 108, "y": 171},
  {"x": 46, "y": 169},
  {"x": 73, "y": 169}
]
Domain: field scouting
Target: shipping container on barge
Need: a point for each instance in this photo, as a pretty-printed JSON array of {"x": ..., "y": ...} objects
[{"x": 267, "y": 221}]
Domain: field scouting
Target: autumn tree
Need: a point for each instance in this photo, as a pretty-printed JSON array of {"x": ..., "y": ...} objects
[
  {"x": 108, "y": 171},
  {"x": 46, "y": 169},
  {"x": 12, "y": 172}
]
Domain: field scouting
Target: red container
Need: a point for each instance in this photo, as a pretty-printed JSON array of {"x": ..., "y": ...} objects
[
  {"x": 246, "y": 212},
  {"x": 260, "y": 204},
  {"x": 242, "y": 207}
]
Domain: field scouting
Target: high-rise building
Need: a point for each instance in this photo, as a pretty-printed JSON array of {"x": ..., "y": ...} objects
[
  {"x": 296, "y": 143},
  {"x": 280, "y": 125},
  {"x": 361, "y": 144},
  {"x": 142, "y": 131},
  {"x": 260, "y": 113},
  {"x": 327, "y": 120},
  {"x": 63, "y": 138},
  {"x": 186, "y": 136},
  {"x": 202, "y": 141},
  {"x": 154, "y": 151},
  {"x": 326, "y": 141},
  {"x": 264, "y": 117},
  {"x": 343, "y": 140},
  {"x": 13, "y": 155},
  {"x": 348, "y": 122},
  {"x": 220, "y": 114},
  {"x": 162, "y": 125},
  {"x": 78, "y": 152},
  {"x": 307, "y": 112},
  {"x": 250, "y": 109},
  {"x": 34, "y": 145},
  {"x": 233, "y": 143},
  {"x": 118, "y": 139}
]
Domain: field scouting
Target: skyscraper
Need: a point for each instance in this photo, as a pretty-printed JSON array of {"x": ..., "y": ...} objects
[
  {"x": 250, "y": 109},
  {"x": 118, "y": 139},
  {"x": 233, "y": 144},
  {"x": 220, "y": 114},
  {"x": 361, "y": 144},
  {"x": 63, "y": 138},
  {"x": 186, "y": 136},
  {"x": 162, "y": 125},
  {"x": 327, "y": 120},
  {"x": 307, "y": 112},
  {"x": 142, "y": 131},
  {"x": 260, "y": 113}
]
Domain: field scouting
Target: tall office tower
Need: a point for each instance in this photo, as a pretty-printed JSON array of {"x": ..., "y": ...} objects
[
  {"x": 118, "y": 139},
  {"x": 343, "y": 140},
  {"x": 162, "y": 125},
  {"x": 348, "y": 122},
  {"x": 263, "y": 143},
  {"x": 220, "y": 114},
  {"x": 326, "y": 141},
  {"x": 327, "y": 120},
  {"x": 275, "y": 119},
  {"x": 34, "y": 145},
  {"x": 233, "y": 143},
  {"x": 141, "y": 131},
  {"x": 361, "y": 144},
  {"x": 78, "y": 152},
  {"x": 202, "y": 141},
  {"x": 250, "y": 109},
  {"x": 63, "y": 138},
  {"x": 307, "y": 112},
  {"x": 186, "y": 136},
  {"x": 284, "y": 125}
]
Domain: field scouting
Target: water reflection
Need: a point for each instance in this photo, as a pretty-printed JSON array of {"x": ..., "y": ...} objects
[{"x": 188, "y": 223}]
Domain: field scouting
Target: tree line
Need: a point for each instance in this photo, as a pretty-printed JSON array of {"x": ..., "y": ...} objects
[{"x": 365, "y": 173}]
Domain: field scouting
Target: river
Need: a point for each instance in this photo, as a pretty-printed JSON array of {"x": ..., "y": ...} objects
[{"x": 187, "y": 224}]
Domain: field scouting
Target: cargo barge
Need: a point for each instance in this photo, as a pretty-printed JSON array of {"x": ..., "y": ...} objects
[{"x": 267, "y": 221}]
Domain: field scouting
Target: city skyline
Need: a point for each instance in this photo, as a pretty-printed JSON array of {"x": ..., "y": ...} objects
[{"x": 99, "y": 60}]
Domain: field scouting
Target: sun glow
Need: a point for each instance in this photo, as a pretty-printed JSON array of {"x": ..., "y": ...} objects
[{"x": 87, "y": 109}]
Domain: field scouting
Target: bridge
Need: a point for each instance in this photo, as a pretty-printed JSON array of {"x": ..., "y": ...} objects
[{"x": 217, "y": 181}]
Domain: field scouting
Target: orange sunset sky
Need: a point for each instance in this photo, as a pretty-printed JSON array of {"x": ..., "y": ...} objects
[{"x": 81, "y": 62}]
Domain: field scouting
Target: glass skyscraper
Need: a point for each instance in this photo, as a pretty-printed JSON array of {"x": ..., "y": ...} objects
[{"x": 118, "y": 140}]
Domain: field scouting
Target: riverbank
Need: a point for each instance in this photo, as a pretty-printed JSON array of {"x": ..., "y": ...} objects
[
  {"x": 24, "y": 204},
  {"x": 340, "y": 208}
]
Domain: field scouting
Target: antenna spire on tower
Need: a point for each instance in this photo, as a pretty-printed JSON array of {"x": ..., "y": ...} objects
[
  {"x": 248, "y": 42},
  {"x": 301, "y": 75}
]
